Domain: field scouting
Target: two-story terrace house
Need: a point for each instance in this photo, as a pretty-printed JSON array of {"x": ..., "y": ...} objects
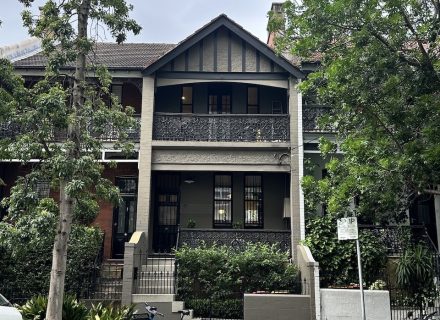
[{"x": 220, "y": 142}]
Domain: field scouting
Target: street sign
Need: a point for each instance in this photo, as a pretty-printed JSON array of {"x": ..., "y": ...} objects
[{"x": 347, "y": 229}]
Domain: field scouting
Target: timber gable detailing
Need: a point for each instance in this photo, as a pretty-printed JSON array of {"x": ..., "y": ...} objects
[
  {"x": 223, "y": 46},
  {"x": 222, "y": 51}
]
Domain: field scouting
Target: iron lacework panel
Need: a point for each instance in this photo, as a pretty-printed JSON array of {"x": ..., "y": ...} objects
[
  {"x": 11, "y": 129},
  {"x": 221, "y": 127},
  {"x": 236, "y": 238},
  {"x": 397, "y": 238},
  {"x": 311, "y": 114}
]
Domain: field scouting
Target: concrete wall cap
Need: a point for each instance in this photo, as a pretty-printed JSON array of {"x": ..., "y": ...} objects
[{"x": 136, "y": 237}]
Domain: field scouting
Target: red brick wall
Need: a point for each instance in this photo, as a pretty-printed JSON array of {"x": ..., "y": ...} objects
[{"x": 10, "y": 171}]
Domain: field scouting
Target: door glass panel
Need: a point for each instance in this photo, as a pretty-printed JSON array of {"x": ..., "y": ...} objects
[
  {"x": 167, "y": 215},
  {"x": 226, "y": 103},
  {"x": 187, "y": 100},
  {"x": 212, "y": 104},
  {"x": 121, "y": 217},
  {"x": 131, "y": 216}
]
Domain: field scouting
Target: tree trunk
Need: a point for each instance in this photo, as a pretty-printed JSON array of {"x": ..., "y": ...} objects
[{"x": 59, "y": 258}]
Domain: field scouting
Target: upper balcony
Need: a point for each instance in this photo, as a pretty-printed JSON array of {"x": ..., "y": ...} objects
[
  {"x": 221, "y": 127},
  {"x": 129, "y": 93},
  {"x": 110, "y": 134},
  {"x": 221, "y": 112},
  {"x": 311, "y": 114}
]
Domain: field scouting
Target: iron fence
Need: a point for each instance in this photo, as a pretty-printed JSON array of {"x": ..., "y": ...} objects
[{"x": 157, "y": 276}]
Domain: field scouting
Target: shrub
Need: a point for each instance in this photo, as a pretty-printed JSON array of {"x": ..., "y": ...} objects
[
  {"x": 337, "y": 259},
  {"x": 102, "y": 312},
  {"x": 35, "y": 309},
  {"x": 37, "y": 232},
  {"x": 224, "y": 274},
  {"x": 415, "y": 275}
]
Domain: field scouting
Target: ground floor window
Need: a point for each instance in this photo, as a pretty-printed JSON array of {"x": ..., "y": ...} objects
[
  {"x": 253, "y": 201},
  {"x": 223, "y": 200}
]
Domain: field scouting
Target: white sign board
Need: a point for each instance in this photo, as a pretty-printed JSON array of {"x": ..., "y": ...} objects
[{"x": 347, "y": 229}]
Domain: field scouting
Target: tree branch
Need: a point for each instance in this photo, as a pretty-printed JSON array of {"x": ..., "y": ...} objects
[
  {"x": 385, "y": 42},
  {"x": 416, "y": 35},
  {"x": 432, "y": 191}
]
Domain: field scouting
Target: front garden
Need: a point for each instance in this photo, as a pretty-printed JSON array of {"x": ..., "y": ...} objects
[{"x": 212, "y": 279}]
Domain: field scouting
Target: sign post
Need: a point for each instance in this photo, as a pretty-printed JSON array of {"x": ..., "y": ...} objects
[{"x": 348, "y": 230}]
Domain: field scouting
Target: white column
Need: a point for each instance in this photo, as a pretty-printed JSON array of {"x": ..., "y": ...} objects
[
  {"x": 145, "y": 151},
  {"x": 296, "y": 165}
]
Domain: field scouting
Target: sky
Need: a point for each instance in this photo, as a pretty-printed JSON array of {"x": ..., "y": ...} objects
[{"x": 164, "y": 21}]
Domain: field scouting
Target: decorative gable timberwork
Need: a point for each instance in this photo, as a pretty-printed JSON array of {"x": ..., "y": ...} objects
[
  {"x": 222, "y": 51},
  {"x": 223, "y": 46}
]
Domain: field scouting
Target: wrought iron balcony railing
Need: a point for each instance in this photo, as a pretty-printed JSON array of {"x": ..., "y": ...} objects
[
  {"x": 397, "y": 238},
  {"x": 236, "y": 238},
  {"x": 311, "y": 114},
  {"x": 221, "y": 127},
  {"x": 10, "y": 130}
]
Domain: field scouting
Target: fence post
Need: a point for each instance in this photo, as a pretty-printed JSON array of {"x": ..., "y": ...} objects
[
  {"x": 309, "y": 269},
  {"x": 127, "y": 278}
]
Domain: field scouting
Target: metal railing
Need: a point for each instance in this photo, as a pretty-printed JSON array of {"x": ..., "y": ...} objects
[
  {"x": 397, "y": 238},
  {"x": 156, "y": 276},
  {"x": 236, "y": 238},
  {"x": 221, "y": 127},
  {"x": 11, "y": 129},
  {"x": 311, "y": 115}
]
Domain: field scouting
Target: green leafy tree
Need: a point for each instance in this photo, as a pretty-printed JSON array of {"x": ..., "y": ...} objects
[
  {"x": 65, "y": 105},
  {"x": 379, "y": 71}
]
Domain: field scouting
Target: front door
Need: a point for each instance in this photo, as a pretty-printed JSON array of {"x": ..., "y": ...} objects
[
  {"x": 166, "y": 216},
  {"x": 123, "y": 225},
  {"x": 124, "y": 215}
]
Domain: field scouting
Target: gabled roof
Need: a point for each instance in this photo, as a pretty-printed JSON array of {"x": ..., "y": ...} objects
[
  {"x": 126, "y": 56},
  {"x": 224, "y": 21}
]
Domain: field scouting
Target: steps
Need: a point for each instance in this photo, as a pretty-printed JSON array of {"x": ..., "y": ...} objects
[
  {"x": 157, "y": 276},
  {"x": 108, "y": 285}
]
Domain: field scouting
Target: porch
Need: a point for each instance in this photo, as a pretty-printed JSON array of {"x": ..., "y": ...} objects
[{"x": 219, "y": 207}]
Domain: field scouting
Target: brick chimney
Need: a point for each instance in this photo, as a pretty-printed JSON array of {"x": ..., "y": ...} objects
[{"x": 276, "y": 9}]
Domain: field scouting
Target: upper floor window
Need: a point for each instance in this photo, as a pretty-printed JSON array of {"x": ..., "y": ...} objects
[
  {"x": 186, "y": 102},
  {"x": 219, "y": 100},
  {"x": 252, "y": 100}
]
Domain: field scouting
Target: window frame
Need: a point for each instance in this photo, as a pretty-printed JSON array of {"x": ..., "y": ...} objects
[
  {"x": 219, "y": 91},
  {"x": 229, "y": 224},
  {"x": 259, "y": 202},
  {"x": 258, "y": 100},
  {"x": 182, "y": 104}
]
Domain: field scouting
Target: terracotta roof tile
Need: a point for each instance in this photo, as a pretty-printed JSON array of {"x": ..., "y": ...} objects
[{"x": 114, "y": 56}]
